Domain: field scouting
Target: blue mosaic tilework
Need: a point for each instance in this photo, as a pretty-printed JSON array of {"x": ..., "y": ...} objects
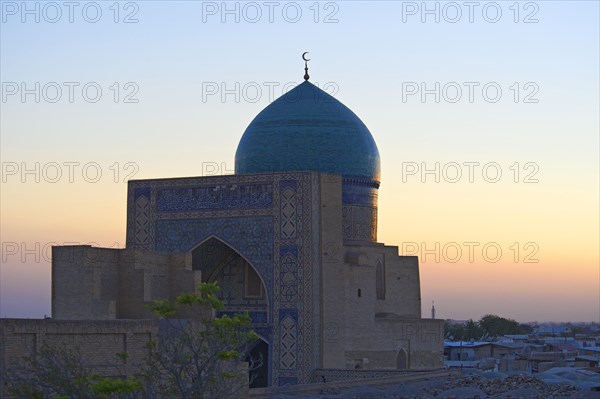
[
  {"x": 256, "y": 317},
  {"x": 289, "y": 283},
  {"x": 307, "y": 129},
  {"x": 293, "y": 313},
  {"x": 288, "y": 381},
  {"x": 359, "y": 223},
  {"x": 283, "y": 184},
  {"x": 293, "y": 346},
  {"x": 149, "y": 188},
  {"x": 231, "y": 196},
  {"x": 288, "y": 209},
  {"x": 288, "y": 344},
  {"x": 359, "y": 212},
  {"x": 288, "y": 249},
  {"x": 266, "y": 333},
  {"x": 145, "y": 191},
  {"x": 251, "y": 237},
  {"x": 355, "y": 194},
  {"x": 142, "y": 214},
  {"x": 245, "y": 234},
  {"x": 280, "y": 245}
]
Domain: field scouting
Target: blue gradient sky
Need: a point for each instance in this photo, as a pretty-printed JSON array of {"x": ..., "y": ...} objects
[{"x": 367, "y": 56}]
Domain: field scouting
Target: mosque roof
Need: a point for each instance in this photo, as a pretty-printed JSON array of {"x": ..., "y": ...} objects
[{"x": 307, "y": 129}]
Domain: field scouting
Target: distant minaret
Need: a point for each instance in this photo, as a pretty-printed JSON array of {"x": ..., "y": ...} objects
[{"x": 433, "y": 309}]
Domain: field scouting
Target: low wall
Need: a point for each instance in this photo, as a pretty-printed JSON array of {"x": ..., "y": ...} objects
[
  {"x": 98, "y": 342},
  {"x": 336, "y": 375},
  {"x": 335, "y": 387}
]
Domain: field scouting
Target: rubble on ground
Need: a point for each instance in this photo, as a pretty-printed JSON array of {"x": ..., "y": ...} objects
[
  {"x": 469, "y": 386},
  {"x": 515, "y": 386}
]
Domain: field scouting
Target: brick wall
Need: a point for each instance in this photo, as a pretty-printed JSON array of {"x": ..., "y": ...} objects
[{"x": 98, "y": 342}]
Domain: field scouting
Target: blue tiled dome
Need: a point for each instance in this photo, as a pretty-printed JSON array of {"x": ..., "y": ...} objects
[{"x": 308, "y": 129}]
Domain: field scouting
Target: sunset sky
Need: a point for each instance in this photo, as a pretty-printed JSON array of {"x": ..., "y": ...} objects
[{"x": 485, "y": 116}]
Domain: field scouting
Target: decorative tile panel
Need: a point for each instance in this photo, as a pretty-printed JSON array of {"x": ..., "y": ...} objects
[
  {"x": 250, "y": 237},
  {"x": 142, "y": 220},
  {"x": 288, "y": 339},
  {"x": 269, "y": 220},
  {"x": 288, "y": 209},
  {"x": 228, "y": 196},
  {"x": 359, "y": 223},
  {"x": 289, "y": 284}
]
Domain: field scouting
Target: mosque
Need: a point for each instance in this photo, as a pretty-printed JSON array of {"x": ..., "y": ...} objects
[{"x": 291, "y": 238}]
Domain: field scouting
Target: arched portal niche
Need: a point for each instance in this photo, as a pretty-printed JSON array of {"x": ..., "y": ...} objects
[
  {"x": 402, "y": 360},
  {"x": 241, "y": 287}
]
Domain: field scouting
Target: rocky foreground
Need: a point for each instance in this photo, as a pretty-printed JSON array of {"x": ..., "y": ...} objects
[
  {"x": 491, "y": 385},
  {"x": 473, "y": 386}
]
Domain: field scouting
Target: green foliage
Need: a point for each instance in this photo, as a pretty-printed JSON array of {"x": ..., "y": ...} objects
[
  {"x": 463, "y": 331},
  {"x": 488, "y": 327},
  {"x": 59, "y": 372},
  {"x": 228, "y": 355},
  {"x": 23, "y": 389},
  {"x": 161, "y": 308},
  {"x": 106, "y": 386},
  {"x": 206, "y": 297},
  {"x": 200, "y": 357},
  {"x": 496, "y": 326}
]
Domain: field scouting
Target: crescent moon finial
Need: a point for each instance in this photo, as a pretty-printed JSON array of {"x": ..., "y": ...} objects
[{"x": 306, "y": 76}]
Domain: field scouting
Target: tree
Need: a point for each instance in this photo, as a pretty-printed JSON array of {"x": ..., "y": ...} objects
[
  {"x": 474, "y": 332},
  {"x": 495, "y": 326},
  {"x": 488, "y": 326},
  {"x": 62, "y": 373},
  {"x": 200, "y": 357},
  {"x": 197, "y": 358},
  {"x": 453, "y": 331}
]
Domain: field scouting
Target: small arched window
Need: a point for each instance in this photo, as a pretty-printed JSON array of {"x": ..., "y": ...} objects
[{"x": 380, "y": 280}]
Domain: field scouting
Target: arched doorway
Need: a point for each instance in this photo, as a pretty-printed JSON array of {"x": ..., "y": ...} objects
[
  {"x": 402, "y": 360},
  {"x": 241, "y": 287},
  {"x": 258, "y": 360}
]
